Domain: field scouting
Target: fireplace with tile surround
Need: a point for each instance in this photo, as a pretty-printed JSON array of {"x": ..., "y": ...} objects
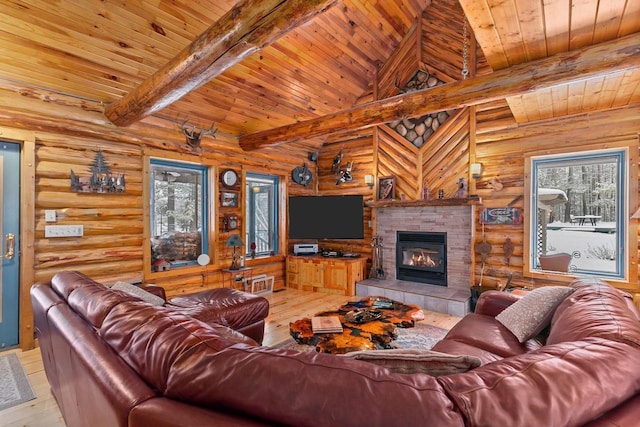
[
  {"x": 456, "y": 221},
  {"x": 422, "y": 257}
]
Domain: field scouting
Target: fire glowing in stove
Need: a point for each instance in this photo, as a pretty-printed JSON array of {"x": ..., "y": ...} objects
[{"x": 420, "y": 259}]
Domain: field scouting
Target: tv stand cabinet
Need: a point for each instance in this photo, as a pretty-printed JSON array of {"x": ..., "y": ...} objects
[{"x": 325, "y": 274}]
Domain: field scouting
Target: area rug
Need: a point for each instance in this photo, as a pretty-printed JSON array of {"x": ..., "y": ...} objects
[
  {"x": 422, "y": 336},
  {"x": 14, "y": 385}
]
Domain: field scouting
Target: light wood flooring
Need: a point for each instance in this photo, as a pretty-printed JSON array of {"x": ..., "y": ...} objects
[{"x": 286, "y": 306}]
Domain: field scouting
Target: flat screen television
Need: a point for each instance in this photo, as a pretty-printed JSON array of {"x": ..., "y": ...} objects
[{"x": 326, "y": 217}]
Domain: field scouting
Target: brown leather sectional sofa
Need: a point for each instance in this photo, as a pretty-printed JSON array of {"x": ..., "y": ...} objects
[{"x": 113, "y": 360}]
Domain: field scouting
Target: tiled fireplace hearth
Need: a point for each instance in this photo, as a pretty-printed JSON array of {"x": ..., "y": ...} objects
[{"x": 456, "y": 221}]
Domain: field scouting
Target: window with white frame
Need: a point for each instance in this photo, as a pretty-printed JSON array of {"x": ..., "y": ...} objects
[
  {"x": 578, "y": 208},
  {"x": 261, "y": 214},
  {"x": 178, "y": 212}
]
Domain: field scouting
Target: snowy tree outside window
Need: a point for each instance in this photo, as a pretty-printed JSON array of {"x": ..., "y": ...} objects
[
  {"x": 178, "y": 212},
  {"x": 577, "y": 207},
  {"x": 261, "y": 214}
]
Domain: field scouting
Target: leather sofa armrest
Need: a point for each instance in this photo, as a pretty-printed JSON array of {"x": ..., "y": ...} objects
[
  {"x": 491, "y": 303},
  {"x": 155, "y": 290}
]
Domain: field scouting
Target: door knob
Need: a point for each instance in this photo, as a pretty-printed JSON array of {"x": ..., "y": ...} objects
[{"x": 9, "y": 245}]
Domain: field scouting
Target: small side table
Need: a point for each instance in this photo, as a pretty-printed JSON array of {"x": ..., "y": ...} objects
[{"x": 242, "y": 275}]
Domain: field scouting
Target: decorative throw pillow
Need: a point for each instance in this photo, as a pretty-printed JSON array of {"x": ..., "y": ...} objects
[
  {"x": 138, "y": 292},
  {"x": 528, "y": 316},
  {"x": 416, "y": 361}
]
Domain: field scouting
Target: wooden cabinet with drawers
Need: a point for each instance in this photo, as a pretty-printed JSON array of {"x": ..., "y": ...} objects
[{"x": 327, "y": 275}]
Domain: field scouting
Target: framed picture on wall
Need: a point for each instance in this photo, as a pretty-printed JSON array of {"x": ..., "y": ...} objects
[
  {"x": 386, "y": 188},
  {"x": 229, "y": 199}
]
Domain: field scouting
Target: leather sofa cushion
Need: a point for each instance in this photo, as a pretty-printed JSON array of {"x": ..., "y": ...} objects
[
  {"x": 564, "y": 384},
  {"x": 90, "y": 299},
  {"x": 625, "y": 414},
  {"x": 66, "y": 282},
  {"x": 154, "y": 340},
  {"x": 163, "y": 412},
  {"x": 462, "y": 348},
  {"x": 492, "y": 303},
  {"x": 310, "y": 389},
  {"x": 486, "y": 333},
  {"x": 223, "y": 306},
  {"x": 595, "y": 310},
  {"x": 95, "y": 387}
]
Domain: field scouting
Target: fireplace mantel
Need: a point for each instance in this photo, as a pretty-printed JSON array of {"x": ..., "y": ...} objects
[{"x": 467, "y": 201}]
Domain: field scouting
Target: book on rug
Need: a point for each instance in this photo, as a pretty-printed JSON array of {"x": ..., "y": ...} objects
[{"x": 326, "y": 324}]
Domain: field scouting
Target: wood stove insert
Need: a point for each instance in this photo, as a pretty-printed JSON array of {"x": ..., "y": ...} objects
[{"x": 422, "y": 257}]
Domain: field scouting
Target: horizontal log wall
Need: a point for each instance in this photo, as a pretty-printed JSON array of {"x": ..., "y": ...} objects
[
  {"x": 68, "y": 134},
  {"x": 358, "y": 151},
  {"x": 113, "y": 230},
  {"x": 501, "y": 144}
]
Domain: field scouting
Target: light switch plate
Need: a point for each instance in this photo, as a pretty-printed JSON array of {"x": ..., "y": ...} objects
[{"x": 50, "y": 215}]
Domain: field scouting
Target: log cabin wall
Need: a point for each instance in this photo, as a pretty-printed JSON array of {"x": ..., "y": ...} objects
[
  {"x": 113, "y": 243},
  {"x": 501, "y": 144},
  {"x": 358, "y": 151},
  {"x": 67, "y": 134}
]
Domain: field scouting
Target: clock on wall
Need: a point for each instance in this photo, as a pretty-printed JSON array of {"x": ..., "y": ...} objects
[{"x": 229, "y": 178}]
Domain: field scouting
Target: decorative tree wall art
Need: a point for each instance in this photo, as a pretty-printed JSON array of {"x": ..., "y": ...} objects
[{"x": 101, "y": 179}]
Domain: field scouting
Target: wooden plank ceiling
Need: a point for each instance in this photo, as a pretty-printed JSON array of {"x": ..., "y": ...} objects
[
  {"x": 101, "y": 50},
  {"x": 514, "y": 31}
]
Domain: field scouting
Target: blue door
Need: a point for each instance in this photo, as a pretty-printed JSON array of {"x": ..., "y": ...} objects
[{"x": 10, "y": 232}]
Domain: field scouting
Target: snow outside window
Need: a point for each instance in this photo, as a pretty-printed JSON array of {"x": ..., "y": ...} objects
[
  {"x": 178, "y": 212},
  {"x": 577, "y": 208}
]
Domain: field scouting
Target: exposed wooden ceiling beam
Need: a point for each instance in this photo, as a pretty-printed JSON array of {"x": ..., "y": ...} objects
[
  {"x": 617, "y": 55},
  {"x": 248, "y": 27}
]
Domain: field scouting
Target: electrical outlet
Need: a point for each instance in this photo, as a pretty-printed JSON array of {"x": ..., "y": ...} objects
[
  {"x": 63, "y": 230},
  {"x": 50, "y": 215}
]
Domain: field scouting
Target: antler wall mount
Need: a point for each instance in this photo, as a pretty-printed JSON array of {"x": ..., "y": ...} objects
[
  {"x": 194, "y": 134},
  {"x": 343, "y": 175}
]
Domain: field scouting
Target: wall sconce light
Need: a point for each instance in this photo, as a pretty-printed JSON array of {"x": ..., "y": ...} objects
[
  {"x": 476, "y": 170},
  {"x": 368, "y": 179},
  {"x": 636, "y": 215}
]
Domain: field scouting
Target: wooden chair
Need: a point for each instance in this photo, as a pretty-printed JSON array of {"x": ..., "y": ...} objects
[
  {"x": 262, "y": 284},
  {"x": 555, "y": 262}
]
